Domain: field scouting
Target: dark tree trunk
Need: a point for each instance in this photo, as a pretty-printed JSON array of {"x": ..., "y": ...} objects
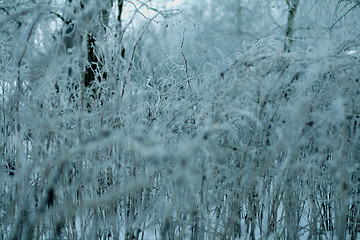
[
  {"x": 89, "y": 77},
  {"x": 120, "y": 9},
  {"x": 292, "y": 4}
]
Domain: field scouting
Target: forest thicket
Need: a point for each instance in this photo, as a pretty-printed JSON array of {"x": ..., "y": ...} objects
[{"x": 213, "y": 119}]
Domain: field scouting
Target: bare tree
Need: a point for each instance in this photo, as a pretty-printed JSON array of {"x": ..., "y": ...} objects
[{"x": 292, "y": 5}]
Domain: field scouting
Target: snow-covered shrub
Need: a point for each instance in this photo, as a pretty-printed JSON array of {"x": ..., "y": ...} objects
[
  {"x": 266, "y": 147},
  {"x": 297, "y": 119}
]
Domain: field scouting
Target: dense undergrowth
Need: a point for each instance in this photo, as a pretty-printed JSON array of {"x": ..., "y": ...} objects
[{"x": 266, "y": 147}]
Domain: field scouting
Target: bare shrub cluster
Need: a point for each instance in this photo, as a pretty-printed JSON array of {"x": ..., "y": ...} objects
[{"x": 267, "y": 147}]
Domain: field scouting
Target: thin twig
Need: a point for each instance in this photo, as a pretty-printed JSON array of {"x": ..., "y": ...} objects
[
  {"x": 20, "y": 13},
  {"x": 140, "y": 37},
  {"x": 23, "y": 53},
  {"x": 133, "y": 52},
  {"x": 185, "y": 60}
]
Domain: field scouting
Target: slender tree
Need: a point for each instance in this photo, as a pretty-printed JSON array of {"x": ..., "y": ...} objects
[{"x": 292, "y": 7}]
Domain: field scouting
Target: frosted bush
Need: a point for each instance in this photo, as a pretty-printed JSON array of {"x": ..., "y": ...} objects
[{"x": 265, "y": 147}]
